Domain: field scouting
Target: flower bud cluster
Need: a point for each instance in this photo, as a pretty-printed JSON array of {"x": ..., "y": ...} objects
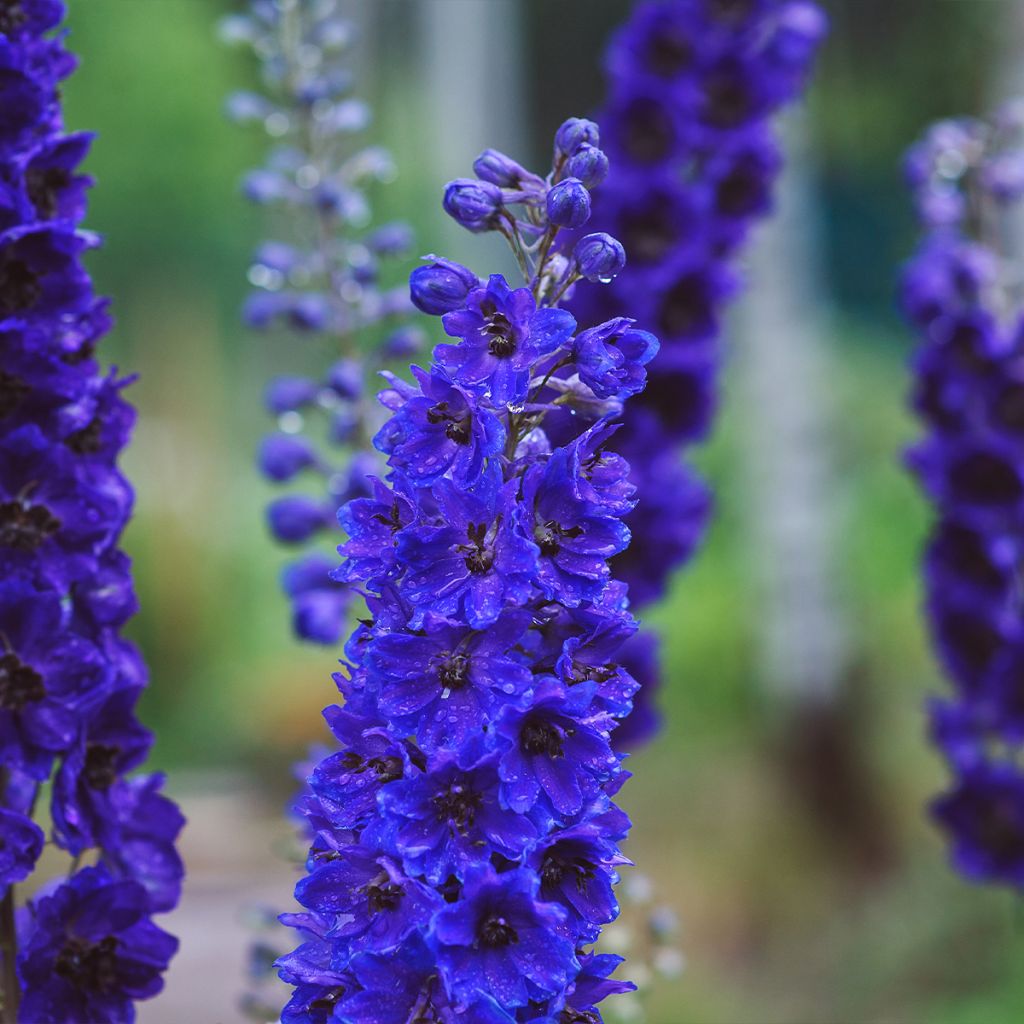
[
  {"x": 86, "y": 948},
  {"x": 530, "y": 211},
  {"x": 693, "y": 88},
  {"x": 961, "y": 293},
  {"x": 323, "y": 286},
  {"x": 465, "y": 843}
]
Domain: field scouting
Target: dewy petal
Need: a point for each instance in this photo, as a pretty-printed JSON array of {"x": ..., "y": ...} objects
[{"x": 559, "y": 780}]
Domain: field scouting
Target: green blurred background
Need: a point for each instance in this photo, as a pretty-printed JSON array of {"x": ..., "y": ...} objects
[{"x": 792, "y": 842}]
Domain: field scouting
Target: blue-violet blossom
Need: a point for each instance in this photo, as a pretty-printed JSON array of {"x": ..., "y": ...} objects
[
  {"x": 465, "y": 843},
  {"x": 322, "y": 290},
  {"x": 85, "y": 947},
  {"x": 693, "y": 86},
  {"x": 960, "y": 294}
]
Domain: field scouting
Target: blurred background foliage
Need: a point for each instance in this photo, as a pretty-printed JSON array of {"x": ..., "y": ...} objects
[{"x": 805, "y": 895}]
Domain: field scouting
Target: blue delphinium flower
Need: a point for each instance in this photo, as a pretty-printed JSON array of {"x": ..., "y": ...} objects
[
  {"x": 322, "y": 289},
  {"x": 464, "y": 840},
  {"x": 959, "y": 294},
  {"x": 69, "y": 684},
  {"x": 693, "y": 87}
]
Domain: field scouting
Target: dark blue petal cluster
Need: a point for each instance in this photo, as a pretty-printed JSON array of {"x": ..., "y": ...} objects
[
  {"x": 693, "y": 88},
  {"x": 324, "y": 288},
  {"x": 69, "y": 683},
  {"x": 959, "y": 294},
  {"x": 464, "y": 840}
]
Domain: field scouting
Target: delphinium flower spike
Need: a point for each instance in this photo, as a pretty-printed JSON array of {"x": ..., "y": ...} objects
[
  {"x": 85, "y": 947},
  {"x": 962, "y": 293},
  {"x": 319, "y": 288},
  {"x": 466, "y": 842},
  {"x": 694, "y": 86}
]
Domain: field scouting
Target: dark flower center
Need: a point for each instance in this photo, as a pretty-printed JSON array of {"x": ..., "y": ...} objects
[
  {"x": 12, "y": 17},
  {"x": 45, "y": 185},
  {"x": 19, "y": 287},
  {"x": 571, "y": 1016},
  {"x": 479, "y": 556},
  {"x": 495, "y": 932},
  {"x": 727, "y": 101},
  {"x": 20, "y": 684},
  {"x": 962, "y": 551},
  {"x": 972, "y": 639},
  {"x": 582, "y": 673},
  {"x": 549, "y": 536},
  {"x": 647, "y": 235},
  {"x": 393, "y": 519},
  {"x": 739, "y": 192},
  {"x": 90, "y": 966},
  {"x": 387, "y": 769},
  {"x": 730, "y": 10},
  {"x": 458, "y": 805},
  {"x": 648, "y": 134},
  {"x": 12, "y": 391},
  {"x": 327, "y": 1000},
  {"x": 100, "y": 768},
  {"x": 24, "y": 527},
  {"x": 985, "y": 479},
  {"x": 684, "y": 307},
  {"x": 501, "y": 340},
  {"x": 558, "y": 865},
  {"x": 669, "y": 54},
  {"x": 453, "y": 672},
  {"x": 86, "y": 441},
  {"x": 999, "y": 830},
  {"x": 457, "y": 430},
  {"x": 384, "y": 897},
  {"x": 1009, "y": 408},
  {"x": 538, "y": 736}
]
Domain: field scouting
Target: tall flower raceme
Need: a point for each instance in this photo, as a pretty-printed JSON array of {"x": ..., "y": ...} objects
[
  {"x": 320, "y": 288},
  {"x": 694, "y": 86},
  {"x": 962, "y": 294},
  {"x": 85, "y": 948},
  {"x": 465, "y": 839}
]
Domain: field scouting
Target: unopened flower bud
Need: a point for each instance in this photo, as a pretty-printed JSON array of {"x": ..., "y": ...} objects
[
  {"x": 599, "y": 257},
  {"x": 589, "y": 164},
  {"x": 474, "y": 204},
  {"x": 441, "y": 286},
  {"x": 574, "y": 133},
  {"x": 569, "y": 204}
]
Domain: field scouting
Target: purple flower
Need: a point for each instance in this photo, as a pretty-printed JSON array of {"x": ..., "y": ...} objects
[
  {"x": 21, "y": 842},
  {"x": 577, "y": 871},
  {"x": 438, "y": 821},
  {"x": 294, "y": 518},
  {"x": 558, "y": 751},
  {"x": 450, "y": 679},
  {"x": 575, "y": 538},
  {"x": 611, "y": 358},
  {"x": 475, "y": 564},
  {"x": 369, "y": 897},
  {"x": 984, "y": 815},
  {"x": 443, "y": 428},
  {"x": 91, "y": 951},
  {"x": 692, "y": 91},
  {"x": 500, "y": 940},
  {"x": 503, "y": 334},
  {"x": 283, "y": 456},
  {"x": 463, "y": 839}
]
